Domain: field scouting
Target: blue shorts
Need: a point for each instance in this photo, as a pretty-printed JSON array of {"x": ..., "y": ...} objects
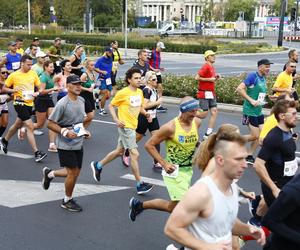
[
  {"x": 255, "y": 121},
  {"x": 104, "y": 86}
]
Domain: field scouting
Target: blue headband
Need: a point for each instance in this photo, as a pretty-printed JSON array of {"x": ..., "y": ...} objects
[{"x": 188, "y": 106}]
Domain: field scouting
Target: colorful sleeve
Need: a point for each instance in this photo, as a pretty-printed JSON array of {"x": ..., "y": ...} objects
[
  {"x": 9, "y": 81},
  {"x": 250, "y": 79},
  {"x": 117, "y": 100}
]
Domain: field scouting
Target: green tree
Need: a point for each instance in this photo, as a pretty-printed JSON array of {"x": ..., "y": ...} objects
[
  {"x": 233, "y": 7},
  {"x": 275, "y": 8},
  {"x": 13, "y": 12}
]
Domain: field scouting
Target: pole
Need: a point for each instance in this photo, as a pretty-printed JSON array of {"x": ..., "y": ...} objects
[
  {"x": 29, "y": 25},
  {"x": 125, "y": 28},
  {"x": 282, "y": 12},
  {"x": 296, "y": 18},
  {"x": 87, "y": 17}
]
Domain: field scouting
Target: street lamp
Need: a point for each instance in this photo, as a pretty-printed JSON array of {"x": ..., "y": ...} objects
[
  {"x": 125, "y": 2},
  {"x": 29, "y": 25}
]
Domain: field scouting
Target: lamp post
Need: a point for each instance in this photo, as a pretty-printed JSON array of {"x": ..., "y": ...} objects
[
  {"x": 282, "y": 12},
  {"x": 125, "y": 2},
  {"x": 29, "y": 25}
]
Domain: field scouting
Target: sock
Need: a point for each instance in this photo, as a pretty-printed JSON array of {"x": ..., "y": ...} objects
[
  {"x": 4, "y": 140},
  {"x": 138, "y": 184},
  {"x": 209, "y": 131},
  {"x": 51, "y": 144},
  {"x": 2, "y": 129},
  {"x": 126, "y": 152},
  {"x": 51, "y": 175},
  {"x": 98, "y": 165},
  {"x": 36, "y": 152},
  {"x": 66, "y": 199}
]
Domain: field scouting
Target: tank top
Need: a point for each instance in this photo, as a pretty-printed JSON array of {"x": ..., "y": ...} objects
[
  {"x": 75, "y": 64},
  {"x": 13, "y": 61},
  {"x": 180, "y": 149},
  {"x": 218, "y": 226},
  {"x": 89, "y": 81},
  {"x": 62, "y": 82}
]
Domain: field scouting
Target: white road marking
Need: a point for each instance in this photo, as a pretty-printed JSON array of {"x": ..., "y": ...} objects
[
  {"x": 146, "y": 179},
  {"x": 17, "y": 155},
  {"x": 23, "y": 193},
  {"x": 101, "y": 121}
]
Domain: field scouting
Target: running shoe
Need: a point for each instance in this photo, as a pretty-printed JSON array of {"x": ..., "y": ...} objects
[
  {"x": 46, "y": 180},
  {"x": 126, "y": 160},
  {"x": 254, "y": 204},
  {"x": 38, "y": 132},
  {"x": 250, "y": 159},
  {"x": 3, "y": 145},
  {"x": 157, "y": 166},
  {"x": 144, "y": 188},
  {"x": 205, "y": 136},
  {"x": 102, "y": 112},
  {"x": 71, "y": 206},
  {"x": 254, "y": 221},
  {"x": 136, "y": 207},
  {"x": 39, "y": 155},
  {"x": 52, "y": 148},
  {"x": 161, "y": 109},
  {"x": 96, "y": 171}
]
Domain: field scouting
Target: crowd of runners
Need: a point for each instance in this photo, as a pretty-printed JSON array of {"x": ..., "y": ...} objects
[{"x": 63, "y": 93}]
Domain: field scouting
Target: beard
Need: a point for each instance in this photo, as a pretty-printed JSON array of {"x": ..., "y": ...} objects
[{"x": 290, "y": 124}]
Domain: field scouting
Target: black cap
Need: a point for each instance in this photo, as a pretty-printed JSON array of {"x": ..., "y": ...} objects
[
  {"x": 73, "y": 79},
  {"x": 12, "y": 43},
  {"x": 263, "y": 62}
]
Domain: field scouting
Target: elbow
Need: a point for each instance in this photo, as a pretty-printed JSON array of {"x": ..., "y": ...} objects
[{"x": 168, "y": 231}]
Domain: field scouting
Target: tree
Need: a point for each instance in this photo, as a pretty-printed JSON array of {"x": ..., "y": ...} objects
[
  {"x": 233, "y": 7},
  {"x": 275, "y": 8}
]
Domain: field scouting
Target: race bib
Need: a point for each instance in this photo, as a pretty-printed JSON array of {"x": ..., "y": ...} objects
[
  {"x": 15, "y": 65},
  {"x": 152, "y": 113},
  {"x": 27, "y": 95},
  {"x": 108, "y": 81},
  {"x": 261, "y": 98},
  {"x": 57, "y": 63},
  {"x": 290, "y": 168},
  {"x": 135, "y": 101},
  {"x": 209, "y": 95},
  {"x": 174, "y": 174}
]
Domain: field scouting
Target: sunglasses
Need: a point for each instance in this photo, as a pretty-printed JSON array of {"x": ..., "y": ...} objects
[
  {"x": 153, "y": 79},
  {"x": 4, "y": 72}
]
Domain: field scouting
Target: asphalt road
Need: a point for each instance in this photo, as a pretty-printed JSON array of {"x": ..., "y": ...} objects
[{"x": 31, "y": 218}]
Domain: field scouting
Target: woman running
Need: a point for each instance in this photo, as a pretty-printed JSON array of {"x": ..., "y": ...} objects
[
  {"x": 61, "y": 78},
  {"x": 4, "y": 98}
]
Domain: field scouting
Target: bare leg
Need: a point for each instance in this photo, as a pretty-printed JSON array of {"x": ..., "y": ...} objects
[
  {"x": 213, "y": 117},
  {"x": 70, "y": 180},
  {"x": 160, "y": 204},
  {"x": 13, "y": 129},
  {"x": 40, "y": 118},
  {"x": 112, "y": 155},
  {"x": 134, "y": 155},
  {"x": 30, "y": 127}
]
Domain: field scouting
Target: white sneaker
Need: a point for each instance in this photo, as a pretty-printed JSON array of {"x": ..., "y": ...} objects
[
  {"x": 171, "y": 247},
  {"x": 102, "y": 112},
  {"x": 38, "y": 132}
]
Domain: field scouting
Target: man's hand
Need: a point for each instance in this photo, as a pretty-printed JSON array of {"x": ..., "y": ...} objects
[
  {"x": 276, "y": 192},
  {"x": 71, "y": 134},
  {"x": 119, "y": 123},
  {"x": 254, "y": 103},
  {"x": 104, "y": 72},
  {"x": 258, "y": 234},
  {"x": 169, "y": 168},
  {"x": 88, "y": 135}
]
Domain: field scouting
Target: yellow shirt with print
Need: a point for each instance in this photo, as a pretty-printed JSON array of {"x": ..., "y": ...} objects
[
  {"x": 283, "y": 81},
  {"x": 24, "y": 83},
  {"x": 269, "y": 124},
  {"x": 20, "y": 51},
  {"x": 129, "y": 105}
]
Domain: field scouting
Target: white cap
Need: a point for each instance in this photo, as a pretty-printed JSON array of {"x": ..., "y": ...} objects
[
  {"x": 40, "y": 54},
  {"x": 160, "y": 45}
]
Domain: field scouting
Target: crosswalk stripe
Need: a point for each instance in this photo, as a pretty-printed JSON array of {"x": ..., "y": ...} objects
[{"x": 17, "y": 155}]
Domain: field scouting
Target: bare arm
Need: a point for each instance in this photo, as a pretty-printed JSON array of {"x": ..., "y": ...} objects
[
  {"x": 241, "y": 89},
  {"x": 148, "y": 104},
  {"x": 3, "y": 61},
  {"x": 57, "y": 129},
  {"x": 113, "y": 113}
]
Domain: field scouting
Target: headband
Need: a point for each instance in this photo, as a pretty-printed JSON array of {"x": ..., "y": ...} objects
[{"x": 188, "y": 106}]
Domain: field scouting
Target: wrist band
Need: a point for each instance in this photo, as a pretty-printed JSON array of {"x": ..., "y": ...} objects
[{"x": 64, "y": 132}]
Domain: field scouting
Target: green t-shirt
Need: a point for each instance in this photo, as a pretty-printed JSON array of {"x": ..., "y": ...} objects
[
  {"x": 48, "y": 80},
  {"x": 38, "y": 69},
  {"x": 256, "y": 86},
  {"x": 54, "y": 51}
]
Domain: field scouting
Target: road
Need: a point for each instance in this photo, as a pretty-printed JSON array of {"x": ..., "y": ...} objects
[{"x": 32, "y": 219}]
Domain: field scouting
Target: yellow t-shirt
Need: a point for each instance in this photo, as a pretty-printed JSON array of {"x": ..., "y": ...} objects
[
  {"x": 25, "y": 83},
  {"x": 269, "y": 124},
  {"x": 283, "y": 81},
  {"x": 129, "y": 104},
  {"x": 20, "y": 51}
]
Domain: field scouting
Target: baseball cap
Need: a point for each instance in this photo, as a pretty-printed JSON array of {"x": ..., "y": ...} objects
[
  {"x": 35, "y": 39},
  {"x": 108, "y": 49},
  {"x": 12, "y": 43},
  {"x": 209, "y": 53},
  {"x": 263, "y": 62},
  {"x": 160, "y": 45},
  {"x": 57, "y": 39},
  {"x": 73, "y": 79},
  {"x": 41, "y": 54}
]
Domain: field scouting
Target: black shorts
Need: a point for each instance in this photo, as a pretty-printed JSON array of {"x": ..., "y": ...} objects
[
  {"x": 206, "y": 104},
  {"x": 255, "y": 121},
  {"x": 57, "y": 69},
  {"x": 144, "y": 125},
  {"x": 70, "y": 158},
  {"x": 89, "y": 104},
  {"x": 42, "y": 103},
  {"x": 23, "y": 112},
  {"x": 159, "y": 79},
  {"x": 113, "y": 77}
]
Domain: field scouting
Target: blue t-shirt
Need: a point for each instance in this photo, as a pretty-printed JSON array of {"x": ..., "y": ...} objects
[
  {"x": 13, "y": 61},
  {"x": 104, "y": 63}
]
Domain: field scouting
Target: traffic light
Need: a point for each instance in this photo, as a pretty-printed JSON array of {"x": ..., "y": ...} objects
[{"x": 293, "y": 14}]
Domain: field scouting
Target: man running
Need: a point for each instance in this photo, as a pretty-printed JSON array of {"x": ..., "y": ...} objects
[
  {"x": 23, "y": 82},
  {"x": 206, "y": 217},
  {"x": 284, "y": 81},
  {"x": 207, "y": 78},
  {"x": 253, "y": 89},
  {"x": 67, "y": 121},
  {"x": 142, "y": 64},
  {"x": 129, "y": 102},
  {"x": 276, "y": 163},
  {"x": 181, "y": 137},
  {"x": 35, "y": 42},
  {"x": 12, "y": 59},
  {"x": 54, "y": 54},
  {"x": 117, "y": 60}
]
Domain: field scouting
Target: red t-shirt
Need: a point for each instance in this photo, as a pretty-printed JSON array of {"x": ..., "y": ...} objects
[{"x": 207, "y": 71}]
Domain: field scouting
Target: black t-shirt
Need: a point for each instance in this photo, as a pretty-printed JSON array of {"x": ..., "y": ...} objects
[
  {"x": 150, "y": 94},
  {"x": 278, "y": 147},
  {"x": 143, "y": 69}
]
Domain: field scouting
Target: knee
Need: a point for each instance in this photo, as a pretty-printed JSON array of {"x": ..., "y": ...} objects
[
  {"x": 214, "y": 111},
  {"x": 134, "y": 154},
  {"x": 120, "y": 151}
]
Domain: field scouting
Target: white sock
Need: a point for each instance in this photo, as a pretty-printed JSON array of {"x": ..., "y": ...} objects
[
  {"x": 51, "y": 144},
  {"x": 66, "y": 199},
  {"x": 51, "y": 174},
  {"x": 209, "y": 131}
]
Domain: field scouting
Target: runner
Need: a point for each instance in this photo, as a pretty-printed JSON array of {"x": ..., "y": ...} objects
[
  {"x": 44, "y": 104},
  {"x": 12, "y": 59},
  {"x": 40, "y": 59},
  {"x": 61, "y": 79},
  {"x": 152, "y": 101},
  {"x": 75, "y": 60},
  {"x": 181, "y": 137},
  {"x": 117, "y": 60},
  {"x": 276, "y": 163},
  {"x": 129, "y": 102},
  {"x": 4, "y": 99},
  {"x": 155, "y": 61},
  {"x": 54, "y": 54},
  {"x": 23, "y": 83},
  {"x": 254, "y": 90},
  {"x": 88, "y": 78},
  {"x": 103, "y": 67},
  {"x": 142, "y": 64},
  {"x": 35, "y": 42},
  {"x": 66, "y": 120},
  {"x": 207, "y": 77},
  {"x": 206, "y": 217},
  {"x": 19, "y": 45},
  {"x": 32, "y": 53}
]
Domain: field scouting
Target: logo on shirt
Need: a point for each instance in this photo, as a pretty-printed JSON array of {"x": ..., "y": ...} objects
[{"x": 181, "y": 138}]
